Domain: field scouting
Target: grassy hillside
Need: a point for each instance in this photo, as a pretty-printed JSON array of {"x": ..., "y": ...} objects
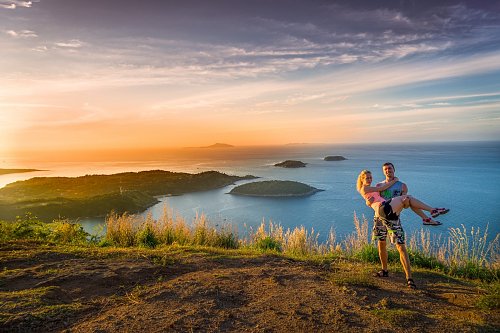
[
  {"x": 99, "y": 205},
  {"x": 97, "y": 195},
  {"x": 162, "y": 275}
]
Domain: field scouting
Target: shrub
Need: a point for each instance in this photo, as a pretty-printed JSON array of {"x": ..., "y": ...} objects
[
  {"x": 63, "y": 231},
  {"x": 121, "y": 229},
  {"x": 268, "y": 243},
  {"x": 146, "y": 236},
  {"x": 27, "y": 227}
]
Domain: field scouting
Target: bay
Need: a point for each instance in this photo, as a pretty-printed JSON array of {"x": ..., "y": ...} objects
[{"x": 462, "y": 176}]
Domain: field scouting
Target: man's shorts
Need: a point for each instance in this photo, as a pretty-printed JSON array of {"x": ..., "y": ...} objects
[
  {"x": 385, "y": 211},
  {"x": 383, "y": 226}
]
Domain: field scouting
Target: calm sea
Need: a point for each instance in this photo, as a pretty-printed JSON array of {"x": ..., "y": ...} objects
[{"x": 463, "y": 176}]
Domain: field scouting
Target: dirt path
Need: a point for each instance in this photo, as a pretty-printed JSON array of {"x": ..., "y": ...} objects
[{"x": 42, "y": 290}]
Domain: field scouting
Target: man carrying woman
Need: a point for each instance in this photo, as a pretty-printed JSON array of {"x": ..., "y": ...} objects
[{"x": 388, "y": 199}]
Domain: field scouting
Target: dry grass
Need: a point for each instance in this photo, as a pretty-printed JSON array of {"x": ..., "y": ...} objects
[{"x": 463, "y": 253}]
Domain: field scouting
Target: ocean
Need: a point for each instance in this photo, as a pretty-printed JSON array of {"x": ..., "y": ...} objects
[{"x": 462, "y": 176}]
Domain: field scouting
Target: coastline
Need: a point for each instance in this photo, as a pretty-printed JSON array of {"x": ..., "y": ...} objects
[
  {"x": 306, "y": 194},
  {"x": 11, "y": 171}
]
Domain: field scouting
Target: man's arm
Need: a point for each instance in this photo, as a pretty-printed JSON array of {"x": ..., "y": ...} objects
[{"x": 404, "y": 189}]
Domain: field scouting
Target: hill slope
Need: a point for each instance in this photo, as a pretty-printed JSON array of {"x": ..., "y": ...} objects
[
  {"x": 96, "y": 195},
  {"x": 202, "y": 291}
]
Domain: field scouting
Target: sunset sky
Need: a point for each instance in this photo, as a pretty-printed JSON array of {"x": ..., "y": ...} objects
[{"x": 80, "y": 74}]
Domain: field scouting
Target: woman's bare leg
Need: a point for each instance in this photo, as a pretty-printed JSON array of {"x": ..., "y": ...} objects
[
  {"x": 398, "y": 203},
  {"x": 417, "y": 204}
]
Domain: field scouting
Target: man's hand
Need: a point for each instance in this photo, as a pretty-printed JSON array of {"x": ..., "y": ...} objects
[{"x": 369, "y": 201}]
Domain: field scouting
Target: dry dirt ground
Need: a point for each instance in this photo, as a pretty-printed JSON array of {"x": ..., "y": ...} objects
[{"x": 45, "y": 289}]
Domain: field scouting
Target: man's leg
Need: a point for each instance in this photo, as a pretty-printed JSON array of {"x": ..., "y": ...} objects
[
  {"x": 382, "y": 253},
  {"x": 380, "y": 234},
  {"x": 405, "y": 260}
]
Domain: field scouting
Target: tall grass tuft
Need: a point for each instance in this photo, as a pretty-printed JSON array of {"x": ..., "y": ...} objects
[
  {"x": 147, "y": 235},
  {"x": 462, "y": 253},
  {"x": 469, "y": 253},
  {"x": 300, "y": 242},
  {"x": 358, "y": 241},
  {"x": 121, "y": 230},
  {"x": 131, "y": 230},
  {"x": 63, "y": 231},
  {"x": 264, "y": 240}
]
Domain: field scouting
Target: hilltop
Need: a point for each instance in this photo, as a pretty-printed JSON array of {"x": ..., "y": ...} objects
[{"x": 188, "y": 289}]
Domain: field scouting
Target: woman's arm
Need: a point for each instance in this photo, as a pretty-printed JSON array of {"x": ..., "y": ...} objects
[{"x": 385, "y": 186}]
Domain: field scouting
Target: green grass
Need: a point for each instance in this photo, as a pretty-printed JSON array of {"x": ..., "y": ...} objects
[
  {"x": 490, "y": 300},
  {"x": 34, "y": 305},
  {"x": 465, "y": 255},
  {"x": 398, "y": 317}
]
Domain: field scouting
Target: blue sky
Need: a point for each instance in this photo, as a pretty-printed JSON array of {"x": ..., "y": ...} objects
[{"x": 76, "y": 74}]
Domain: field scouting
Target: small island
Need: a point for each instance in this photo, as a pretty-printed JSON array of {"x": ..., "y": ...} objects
[
  {"x": 291, "y": 164},
  {"x": 335, "y": 158},
  {"x": 275, "y": 188}
]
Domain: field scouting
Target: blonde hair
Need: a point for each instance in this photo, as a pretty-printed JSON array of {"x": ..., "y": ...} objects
[{"x": 359, "y": 182}]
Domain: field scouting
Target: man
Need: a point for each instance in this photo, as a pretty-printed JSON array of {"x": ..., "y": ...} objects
[{"x": 382, "y": 227}]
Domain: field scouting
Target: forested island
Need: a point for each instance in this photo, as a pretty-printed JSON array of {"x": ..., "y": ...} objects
[
  {"x": 97, "y": 195},
  {"x": 274, "y": 188},
  {"x": 335, "y": 158},
  {"x": 291, "y": 164}
]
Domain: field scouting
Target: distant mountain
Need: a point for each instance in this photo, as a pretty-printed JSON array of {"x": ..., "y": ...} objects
[
  {"x": 218, "y": 145},
  {"x": 7, "y": 171}
]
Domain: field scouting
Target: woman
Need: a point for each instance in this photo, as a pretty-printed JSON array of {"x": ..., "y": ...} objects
[{"x": 390, "y": 209}]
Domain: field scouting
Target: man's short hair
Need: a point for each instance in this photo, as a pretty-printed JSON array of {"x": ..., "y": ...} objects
[{"x": 387, "y": 164}]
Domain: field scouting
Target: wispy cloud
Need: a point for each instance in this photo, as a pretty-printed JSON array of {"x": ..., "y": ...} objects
[
  {"x": 13, "y": 4},
  {"x": 73, "y": 44},
  {"x": 21, "y": 34}
]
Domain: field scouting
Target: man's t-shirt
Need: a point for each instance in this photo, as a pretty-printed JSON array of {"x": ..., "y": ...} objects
[{"x": 394, "y": 191}]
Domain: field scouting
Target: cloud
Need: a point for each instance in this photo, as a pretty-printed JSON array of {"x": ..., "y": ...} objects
[
  {"x": 440, "y": 104},
  {"x": 73, "y": 43},
  {"x": 21, "y": 34},
  {"x": 13, "y": 4},
  {"x": 41, "y": 48}
]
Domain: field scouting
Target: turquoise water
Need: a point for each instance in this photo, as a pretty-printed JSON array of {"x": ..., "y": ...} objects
[{"x": 462, "y": 176}]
